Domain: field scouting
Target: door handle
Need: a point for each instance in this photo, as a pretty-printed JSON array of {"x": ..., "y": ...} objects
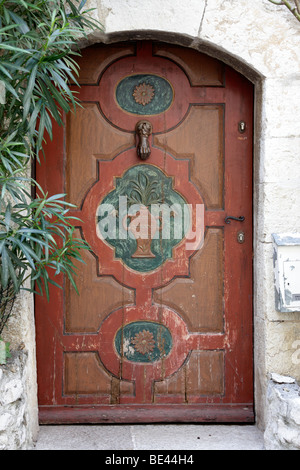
[{"x": 239, "y": 219}]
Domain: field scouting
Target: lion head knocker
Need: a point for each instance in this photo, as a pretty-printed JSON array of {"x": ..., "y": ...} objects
[{"x": 143, "y": 130}]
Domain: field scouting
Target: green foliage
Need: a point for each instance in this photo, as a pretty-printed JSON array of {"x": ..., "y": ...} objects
[
  {"x": 35, "y": 236},
  {"x": 37, "y": 42}
]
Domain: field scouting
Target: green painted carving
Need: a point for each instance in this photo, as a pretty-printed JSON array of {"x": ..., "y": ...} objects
[
  {"x": 143, "y": 341},
  {"x": 143, "y": 218},
  {"x": 144, "y": 94},
  {"x": 145, "y": 190}
]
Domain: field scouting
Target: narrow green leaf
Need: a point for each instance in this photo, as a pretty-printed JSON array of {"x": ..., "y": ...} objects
[
  {"x": 4, "y": 267},
  {"x": 33, "y": 117},
  {"x": 7, "y": 217},
  {"x": 56, "y": 95},
  {"x": 41, "y": 129},
  {"x": 50, "y": 103},
  {"x": 11, "y": 90},
  {"x": 46, "y": 286},
  {"x": 22, "y": 24},
  {"x": 26, "y": 250},
  {"x": 12, "y": 273},
  {"x": 29, "y": 90},
  {"x": 82, "y": 4},
  {"x": 5, "y": 72},
  {"x": 14, "y": 48}
]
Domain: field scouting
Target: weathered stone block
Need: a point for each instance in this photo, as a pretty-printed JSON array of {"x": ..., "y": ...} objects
[
  {"x": 14, "y": 431},
  {"x": 283, "y": 417}
]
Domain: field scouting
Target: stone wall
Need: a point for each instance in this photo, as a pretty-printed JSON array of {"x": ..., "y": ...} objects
[
  {"x": 19, "y": 377},
  {"x": 15, "y": 432},
  {"x": 283, "y": 415}
]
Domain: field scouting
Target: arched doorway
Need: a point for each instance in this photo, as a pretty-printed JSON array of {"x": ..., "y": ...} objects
[{"x": 162, "y": 329}]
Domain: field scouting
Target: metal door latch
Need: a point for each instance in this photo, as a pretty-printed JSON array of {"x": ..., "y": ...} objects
[{"x": 239, "y": 219}]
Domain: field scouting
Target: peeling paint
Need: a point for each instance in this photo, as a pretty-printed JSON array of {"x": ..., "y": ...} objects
[{"x": 128, "y": 349}]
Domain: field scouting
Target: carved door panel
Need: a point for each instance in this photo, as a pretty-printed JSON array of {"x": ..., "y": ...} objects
[{"x": 162, "y": 328}]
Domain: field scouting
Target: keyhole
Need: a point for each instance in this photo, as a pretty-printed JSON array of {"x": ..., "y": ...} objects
[
  {"x": 241, "y": 237},
  {"x": 242, "y": 127}
]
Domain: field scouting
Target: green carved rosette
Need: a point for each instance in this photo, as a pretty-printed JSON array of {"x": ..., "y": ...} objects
[
  {"x": 143, "y": 218},
  {"x": 143, "y": 341}
]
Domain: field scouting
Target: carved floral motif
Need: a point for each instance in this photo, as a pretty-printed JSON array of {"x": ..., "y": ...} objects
[
  {"x": 144, "y": 342},
  {"x": 143, "y": 94}
]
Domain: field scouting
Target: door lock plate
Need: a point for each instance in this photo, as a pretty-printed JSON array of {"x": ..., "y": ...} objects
[{"x": 240, "y": 237}]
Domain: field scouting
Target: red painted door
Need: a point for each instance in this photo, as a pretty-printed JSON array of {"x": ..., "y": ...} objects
[{"x": 162, "y": 328}]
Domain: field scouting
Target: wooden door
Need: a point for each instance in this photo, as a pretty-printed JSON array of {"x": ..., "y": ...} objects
[{"x": 162, "y": 328}]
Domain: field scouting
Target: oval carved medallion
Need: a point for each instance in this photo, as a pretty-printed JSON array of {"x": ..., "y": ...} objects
[
  {"x": 144, "y": 94},
  {"x": 143, "y": 341}
]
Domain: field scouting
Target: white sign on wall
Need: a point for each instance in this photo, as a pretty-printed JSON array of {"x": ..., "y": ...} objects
[{"x": 287, "y": 272}]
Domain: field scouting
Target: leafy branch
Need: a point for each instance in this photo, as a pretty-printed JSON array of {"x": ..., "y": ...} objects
[
  {"x": 37, "y": 42},
  {"x": 36, "y": 237},
  {"x": 294, "y": 10},
  {"x": 37, "y": 48}
]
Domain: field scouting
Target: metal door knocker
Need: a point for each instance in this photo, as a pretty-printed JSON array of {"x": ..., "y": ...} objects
[{"x": 143, "y": 130}]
